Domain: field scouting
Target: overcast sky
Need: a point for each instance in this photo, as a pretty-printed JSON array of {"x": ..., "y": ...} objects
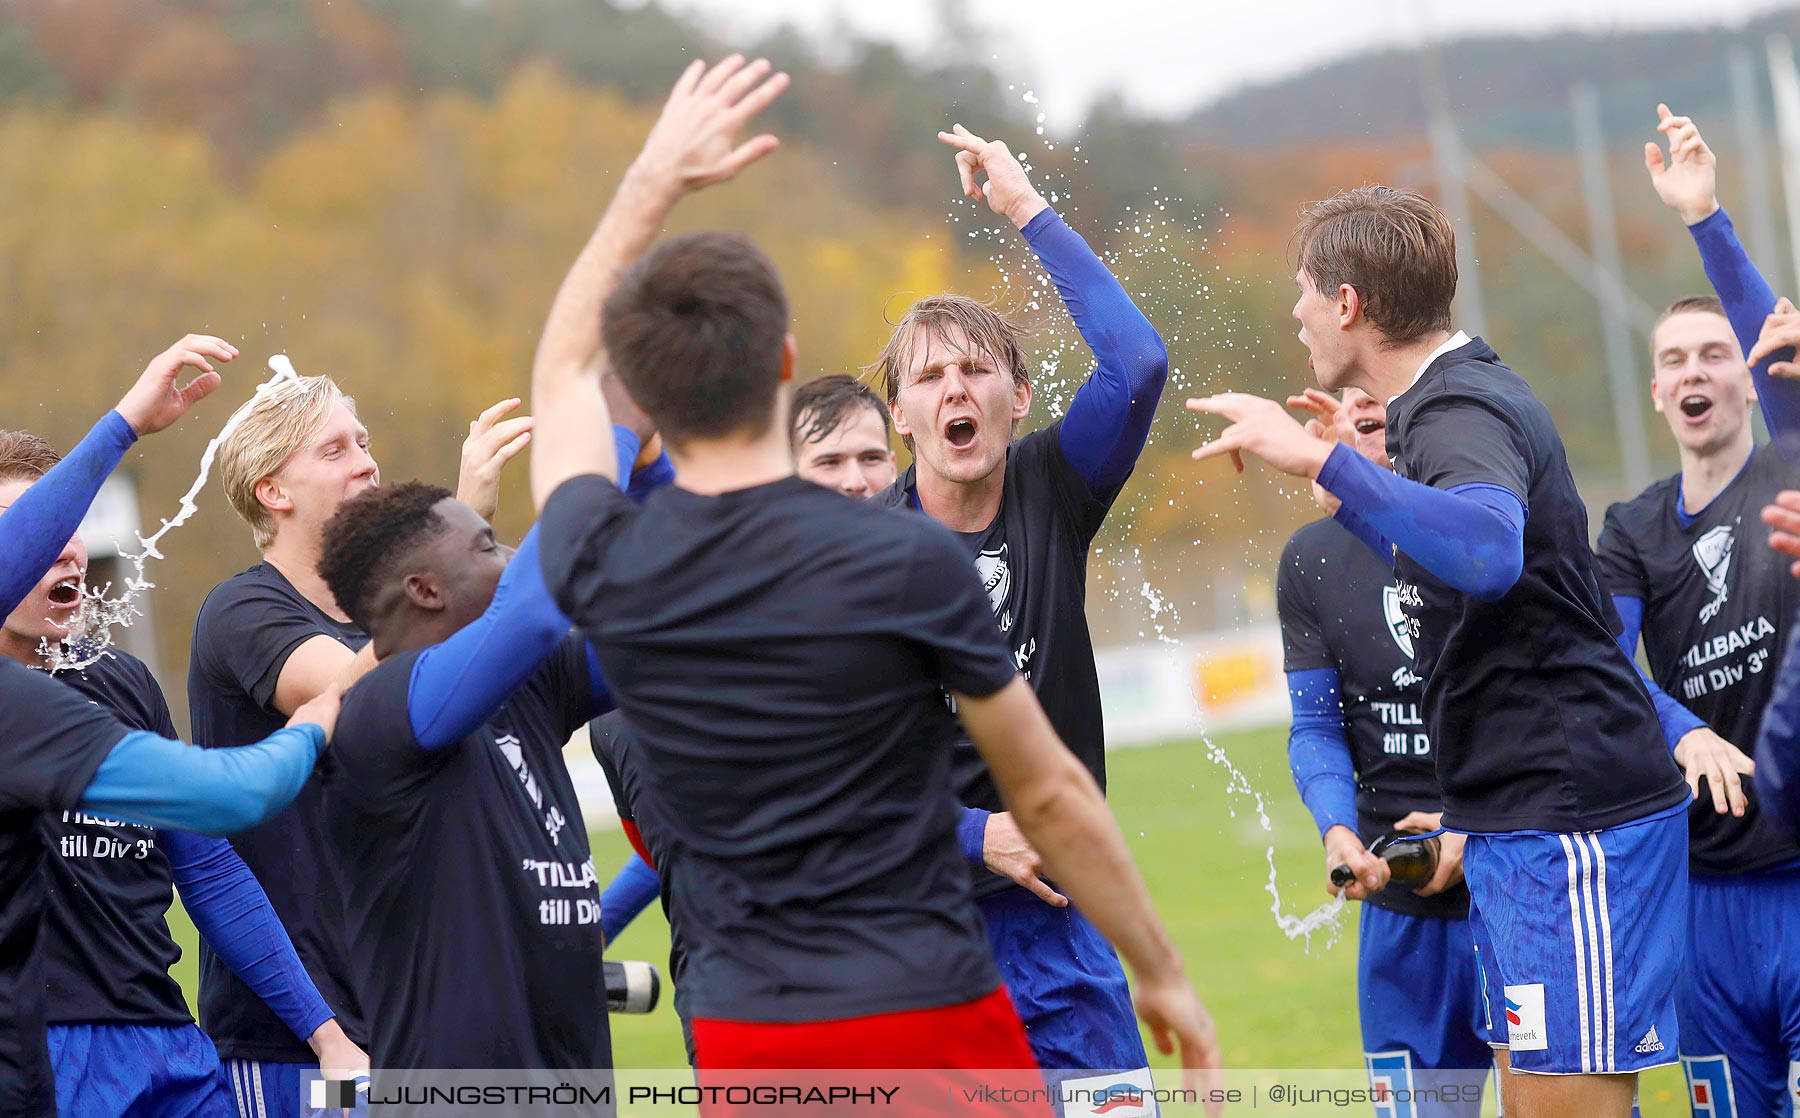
[{"x": 1169, "y": 55}]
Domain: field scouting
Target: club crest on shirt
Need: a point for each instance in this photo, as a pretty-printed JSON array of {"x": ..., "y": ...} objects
[
  {"x": 1395, "y": 616},
  {"x": 996, "y": 578},
  {"x": 513, "y": 750},
  {"x": 1713, "y": 552}
]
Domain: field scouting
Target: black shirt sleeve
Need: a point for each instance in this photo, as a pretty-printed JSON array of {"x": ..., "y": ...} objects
[
  {"x": 1303, "y": 643},
  {"x": 375, "y": 755},
  {"x": 1041, "y": 454},
  {"x": 1621, "y": 567},
  {"x": 1454, "y": 439},
  {"x": 944, "y": 608},
  {"x": 247, "y": 631},
  {"x": 609, "y": 736},
  {"x": 580, "y": 521},
  {"x": 52, "y": 741}
]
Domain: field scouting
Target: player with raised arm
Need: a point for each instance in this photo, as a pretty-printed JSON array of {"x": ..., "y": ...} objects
[
  {"x": 1550, "y": 756},
  {"x": 1365, "y": 768},
  {"x": 450, "y": 810},
  {"x": 269, "y": 639},
  {"x": 1026, "y": 511},
  {"x": 109, "y": 996},
  {"x": 1713, "y": 609},
  {"x": 783, "y": 677},
  {"x": 63, "y": 752}
]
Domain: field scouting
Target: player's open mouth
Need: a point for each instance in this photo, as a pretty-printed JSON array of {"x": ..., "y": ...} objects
[
  {"x": 1695, "y": 406},
  {"x": 1369, "y": 426},
  {"x": 66, "y": 593},
  {"x": 960, "y": 433}
]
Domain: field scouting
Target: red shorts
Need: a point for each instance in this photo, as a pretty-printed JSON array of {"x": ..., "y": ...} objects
[{"x": 922, "y": 1050}]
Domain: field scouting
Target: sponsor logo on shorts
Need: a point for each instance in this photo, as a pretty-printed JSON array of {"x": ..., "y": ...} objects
[
  {"x": 1650, "y": 1043},
  {"x": 1709, "y": 1086},
  {"x": 1526, "y": 1030}
]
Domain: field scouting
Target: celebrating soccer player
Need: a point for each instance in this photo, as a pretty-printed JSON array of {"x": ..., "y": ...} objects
[
  {"x": 456, "y": 828},
  {"x": 67, "y": 753},
  {"x": 959, "y": 384},
  {"x": 779, "y": 652},
  {"x": 1364, "y": 766},
  {"x": 841, "y": 434},
  {"x": 1713, "y": 607},
  {"x": 1549, "y": 753},
  {"x": 266, "y": 641},
  {"x": 109, "y": 997}
]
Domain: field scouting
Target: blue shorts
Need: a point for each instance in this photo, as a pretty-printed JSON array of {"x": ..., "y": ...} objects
[
  {"x": 1739, "y": 994},
  {"x": 1070, "y": 991},
  {"x": 1419, "y": 997},
  {"x": 265, "y": 1089},
  {"x": 1584, "y": 935},
  {"x": 145, "y": 1071}
]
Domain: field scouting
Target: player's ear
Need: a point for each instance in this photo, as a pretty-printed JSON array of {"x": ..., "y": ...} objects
[
  {"x": 1655, "y": 396},
  {"x": 1021, "y": 397},
  {"x": 1349, "y": 306},
  {"x": 790, "y": 352},
  {"x": 425, "y": 591},
  {"x": 272, "y": 496}
]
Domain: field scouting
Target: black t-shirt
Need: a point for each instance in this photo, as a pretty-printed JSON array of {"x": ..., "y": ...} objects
[
  {"x": 1032, "y": 560},
  {"x": 1716, "y": 609},
  {"x": 108, "y": 950},
  {"x": 780, "y": 653},
  {"x": 246, "y": 630},
  {"x": 473, "y": 910},
  {"x": 52, "y": 741},
  {"x": 1339, "y": 610},
  {"x": 1539, "y": 720},
  {"x": 611, "y": 737}
]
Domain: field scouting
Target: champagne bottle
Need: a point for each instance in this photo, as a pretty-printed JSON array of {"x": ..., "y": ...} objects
[
  {"x": 1411, "y": 860},
  {"x": 631, "y": 987}
]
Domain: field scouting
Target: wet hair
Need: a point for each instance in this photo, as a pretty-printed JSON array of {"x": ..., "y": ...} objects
[
  {"x": 986, "y": 328},
  {"x": 821, "y": 406},
  {"x": 25, "y": 457}
]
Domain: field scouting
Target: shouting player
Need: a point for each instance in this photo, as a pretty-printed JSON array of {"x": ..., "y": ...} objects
[
  {"x": 109, "y": 997},
  {"x": 1364, "y": 766},
  {"x": 1026, "y": 511},
  {"x": 266, "y": 641},
  {"x": 1549, "y": 753},
  {"x": 67, "y": 753},
  {"x": 1713, "y": 611},
  {"x": 780, "y": 651}
]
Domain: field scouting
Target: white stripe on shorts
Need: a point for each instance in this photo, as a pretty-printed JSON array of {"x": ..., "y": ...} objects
[
  {"x": 1612, "y": 1062},
  {"x": 262, "y": 1109},
  {"x": 1581, "y": 989}
]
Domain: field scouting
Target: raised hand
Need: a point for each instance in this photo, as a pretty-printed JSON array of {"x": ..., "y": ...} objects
[
  {"x": 1686, "y": 183},
  {"x": 1008, "y": 190},
  {"x": 157, "y": 400},
  {"x": 491, "y": 444},
  {"x": 1784, "y": 517},
  {"x": 695, "y": 141},
  {"x": 1263, "y": 428},
  {"x": 1781, "y": 330}
]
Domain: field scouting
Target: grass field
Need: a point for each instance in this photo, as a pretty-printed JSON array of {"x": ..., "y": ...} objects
[{"x": 1277, "y": 1004}]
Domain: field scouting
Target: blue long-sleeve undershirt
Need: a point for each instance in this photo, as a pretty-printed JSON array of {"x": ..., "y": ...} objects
[
  {"x": 1319, "y": 749},
  {"x": 629, "y": 893},
  {"x": 1677, "y": 721},
  {"x": 34, "y": 530},
  {"x": 1109, "y": 419},
  {"x": 457, "y": 684},
  {"x": 1748, "y": 301},
  {"x": 1778, "y": 742},
  {"x": 152, "y": 780},
  {"x": 234, "y": 916},
  {"x": 652, "y": 477},
  {"x": 1472, "y": 537}
]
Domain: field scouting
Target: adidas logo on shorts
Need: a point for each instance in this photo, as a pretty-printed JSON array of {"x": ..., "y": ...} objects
[{"x": 1650, "y": 1043}]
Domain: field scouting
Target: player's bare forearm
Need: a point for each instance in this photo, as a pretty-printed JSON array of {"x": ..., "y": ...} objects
[
  {"x": 1060, "y": 809},
  {"x": 574, "y": 424}
]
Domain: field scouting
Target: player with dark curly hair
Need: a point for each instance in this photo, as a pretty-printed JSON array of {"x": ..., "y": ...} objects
[{"x": 451, "y": 815}]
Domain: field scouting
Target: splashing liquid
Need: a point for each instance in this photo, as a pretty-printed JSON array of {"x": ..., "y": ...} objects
[
  {"x": 91, "y": 634},
  {"x": 1160, "y": 251}
]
